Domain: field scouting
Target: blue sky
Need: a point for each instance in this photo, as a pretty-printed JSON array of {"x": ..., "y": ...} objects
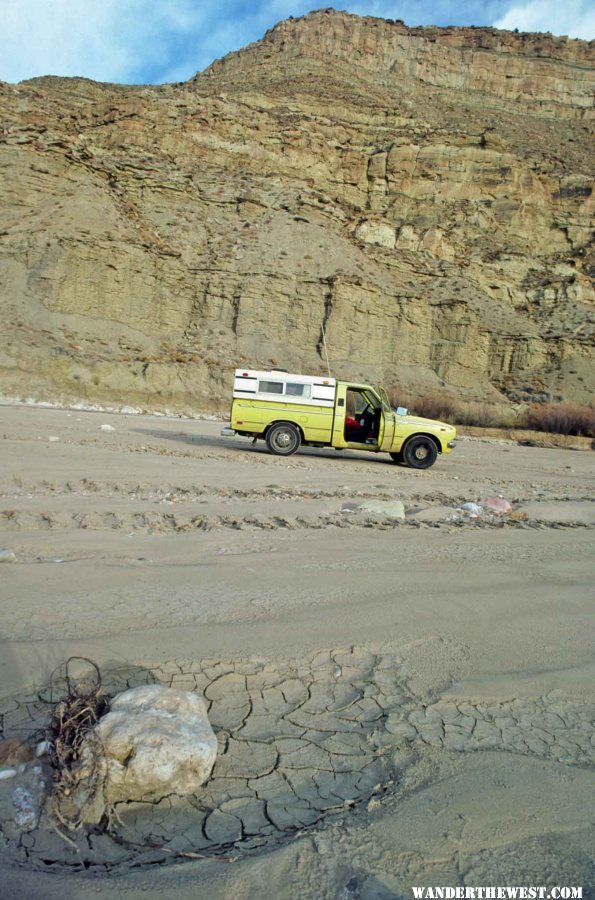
[{"x": 154, "y": 41}]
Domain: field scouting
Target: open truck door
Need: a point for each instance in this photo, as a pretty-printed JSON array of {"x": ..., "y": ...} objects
[
  {"x": 363, "y": 419},
  {"x": 388, "y": 423}
]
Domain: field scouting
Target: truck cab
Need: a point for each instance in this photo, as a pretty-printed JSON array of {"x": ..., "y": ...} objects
[{"x": 288, "y": 410}]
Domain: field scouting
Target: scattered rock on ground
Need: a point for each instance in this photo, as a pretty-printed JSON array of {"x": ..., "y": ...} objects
[
  {"x": 27, "y": 808},
  {"x": 7, "y": 556},
  {"x": 157, "y": 741},
  {"x": 473, "y": 509},
  {"x": 107, "y": 428},
  {"x": 497, "y": 505},
  {"x": 21, "y": 800}
]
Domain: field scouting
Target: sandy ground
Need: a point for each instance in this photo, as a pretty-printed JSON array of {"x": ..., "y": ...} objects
[{"x": 397, "y": 702}]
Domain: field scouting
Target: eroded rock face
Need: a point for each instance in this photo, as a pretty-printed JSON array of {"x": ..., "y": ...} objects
[
  {"x": 411, "y": 188},
  {"x": 157, "y": 741}
]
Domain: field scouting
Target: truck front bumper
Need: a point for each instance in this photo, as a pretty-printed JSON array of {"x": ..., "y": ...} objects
[{"x": 227, "y": 431}]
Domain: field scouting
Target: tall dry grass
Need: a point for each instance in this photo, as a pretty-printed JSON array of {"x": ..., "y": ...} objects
[{"x": 561, "y": 418}]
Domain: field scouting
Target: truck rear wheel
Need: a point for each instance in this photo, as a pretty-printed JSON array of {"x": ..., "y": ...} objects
[
  {"x": 420, "y": 452},
  {"x": 283, "y": 439}
]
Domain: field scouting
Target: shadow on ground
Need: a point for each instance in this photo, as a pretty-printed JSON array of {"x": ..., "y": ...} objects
[{"x": 246, "y": 445}]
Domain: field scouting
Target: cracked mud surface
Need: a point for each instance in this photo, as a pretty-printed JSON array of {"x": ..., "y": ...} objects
[
  {"x": 297, "y": 744},
  {"x": 445, "y": 738}
]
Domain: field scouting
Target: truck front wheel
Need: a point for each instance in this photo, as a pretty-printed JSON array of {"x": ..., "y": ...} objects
[
  {"x": 283, "y": 439},
  {"x": 420, "y": 452}
]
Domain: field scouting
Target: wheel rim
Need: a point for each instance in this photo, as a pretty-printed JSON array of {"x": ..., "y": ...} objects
[
  {"x": 283, "y": 440},
  {"x": 421, "y": 452}
]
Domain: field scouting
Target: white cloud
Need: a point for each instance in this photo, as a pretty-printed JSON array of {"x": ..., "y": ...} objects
[
  {"x": 127, "y": 40},
  {"x": 170, "y": 40},
  {"x": 575, "y": 18},
  {"x": 110, "y": 40}
]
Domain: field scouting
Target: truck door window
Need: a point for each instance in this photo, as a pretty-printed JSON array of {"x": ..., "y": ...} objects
[
  {"x": 356, "y": 402},
  {"x": 372, "y": 400}
]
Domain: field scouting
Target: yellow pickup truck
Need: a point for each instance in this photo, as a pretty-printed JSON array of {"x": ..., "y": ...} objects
[{"x": 288, "y": 411}]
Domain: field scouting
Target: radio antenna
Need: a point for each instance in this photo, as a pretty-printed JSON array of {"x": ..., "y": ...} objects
[{"x": 328, "y": 365}]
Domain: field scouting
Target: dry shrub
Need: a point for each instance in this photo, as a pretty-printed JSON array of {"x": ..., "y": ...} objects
[
  {"x": 561, "y": 418},
  {"x": 482, "y": 415},
  {"x": 400, "y": 396},
  {"x": 518, "y": 516},
  {"x": 436, "y": 405},
  {"x": 555, "y": 418},
  {"x": 486, "y": 415},
  {"x": 74, "y": 758}
]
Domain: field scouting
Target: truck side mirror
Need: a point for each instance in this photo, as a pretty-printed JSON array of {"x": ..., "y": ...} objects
[{"x": 401, "y": 410}]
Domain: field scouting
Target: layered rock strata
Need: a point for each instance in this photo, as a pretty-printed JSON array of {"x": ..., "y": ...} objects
[{"x": 424, "y": 194}]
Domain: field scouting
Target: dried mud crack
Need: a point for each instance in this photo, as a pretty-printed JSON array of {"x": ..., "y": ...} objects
[{"x": 299, "y": 742}]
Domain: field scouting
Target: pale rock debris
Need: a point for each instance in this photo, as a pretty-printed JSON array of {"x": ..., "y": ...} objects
[
  {"x": 157, "y": 741},
  {"x": 377, "y": 233}
]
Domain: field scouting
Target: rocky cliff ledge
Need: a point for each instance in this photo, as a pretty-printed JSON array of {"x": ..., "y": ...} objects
[{"x": 424, "y": 193}]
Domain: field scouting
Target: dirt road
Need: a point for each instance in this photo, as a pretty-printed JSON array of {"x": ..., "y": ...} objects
[{"x": 398, "y": 702}]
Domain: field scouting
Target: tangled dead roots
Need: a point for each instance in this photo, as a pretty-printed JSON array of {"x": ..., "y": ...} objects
[{"x": 75, "y": 752}]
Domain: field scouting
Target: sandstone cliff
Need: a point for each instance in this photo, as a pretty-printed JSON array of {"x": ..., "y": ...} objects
[{"x": 424, "y": 193}]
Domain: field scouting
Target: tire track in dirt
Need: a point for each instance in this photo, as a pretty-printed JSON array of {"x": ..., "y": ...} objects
[{"x": 155, "y": 522}]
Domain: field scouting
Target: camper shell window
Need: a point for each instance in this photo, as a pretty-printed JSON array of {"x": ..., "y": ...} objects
[
  {"x": 290, "y": 389},
  {"x": 298, "y": 390},
  {"x": 270, "y": 387}
]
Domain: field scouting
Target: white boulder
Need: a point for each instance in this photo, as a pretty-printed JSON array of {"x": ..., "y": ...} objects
[
  {"x": 390, "y": 509},
  {"x": 157, "y": 741}
]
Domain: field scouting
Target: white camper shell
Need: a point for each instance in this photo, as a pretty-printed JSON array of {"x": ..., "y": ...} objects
[{"x": 279, "y": 385}]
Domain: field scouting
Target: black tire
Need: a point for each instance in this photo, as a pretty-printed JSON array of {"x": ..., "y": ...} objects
[
  {"x": 397, "y": 458},
  {"x": 420, "y": 452},
  {"x": 283, "y": 439}
]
